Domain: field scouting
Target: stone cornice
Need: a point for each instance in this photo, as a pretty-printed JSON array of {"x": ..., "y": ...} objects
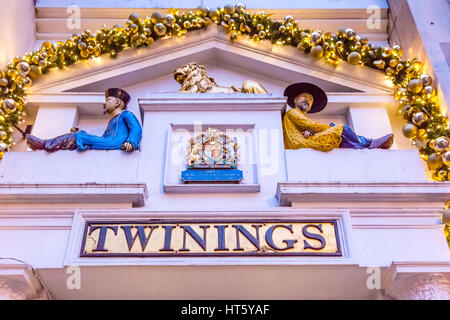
[
  {"x": 411, "y": 192},
  {"x": 174, "y": 102},
  {"x": 135, "y": 193}
]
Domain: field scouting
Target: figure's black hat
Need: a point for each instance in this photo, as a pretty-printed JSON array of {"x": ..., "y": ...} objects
[
  {"x": 320, "y": 97},
  {"x": 119, "y": 93}
]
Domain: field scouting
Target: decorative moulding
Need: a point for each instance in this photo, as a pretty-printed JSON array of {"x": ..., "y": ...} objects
[
  {"x": 133, "y": 193},
  {"x": 358, "y": 192},
  {"x": 185, "y": 102}
]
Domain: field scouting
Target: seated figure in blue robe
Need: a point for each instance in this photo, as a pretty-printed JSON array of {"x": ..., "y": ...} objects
[{"x": 123, "y": 132}]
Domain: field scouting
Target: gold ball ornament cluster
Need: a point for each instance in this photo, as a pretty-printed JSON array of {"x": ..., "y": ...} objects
[{"x": 426, "y": 125}]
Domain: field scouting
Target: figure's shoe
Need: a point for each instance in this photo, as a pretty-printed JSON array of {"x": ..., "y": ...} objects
[
  {"x": 35, "y": 143},
  {"x": 383, "y": 142}
]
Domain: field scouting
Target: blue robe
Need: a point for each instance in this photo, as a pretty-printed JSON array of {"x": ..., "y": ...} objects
[{"x": 122, "y": 128}]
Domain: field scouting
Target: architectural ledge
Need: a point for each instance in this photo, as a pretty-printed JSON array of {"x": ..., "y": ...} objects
[
  {"x": 184, "y": 102},
  {"x": 358, "y": 192},
  {"x": 123, "y": 193},
  {"x": 417, "y": 281},
  {"x": 18, "y": 281}
]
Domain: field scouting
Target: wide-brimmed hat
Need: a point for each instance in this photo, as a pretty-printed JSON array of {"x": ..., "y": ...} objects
[
  {"x": 119, "y": 93},
  {"x": 320, "y": 97}
]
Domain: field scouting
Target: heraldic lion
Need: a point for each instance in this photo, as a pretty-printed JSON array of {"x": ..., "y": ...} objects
[{"x": 194, "y": 78}]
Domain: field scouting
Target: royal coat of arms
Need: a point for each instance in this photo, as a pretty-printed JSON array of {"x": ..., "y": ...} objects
[{"x": 212, "y": 156}]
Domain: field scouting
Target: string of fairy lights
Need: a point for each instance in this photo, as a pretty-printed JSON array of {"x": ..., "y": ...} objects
[{"x": 426, "y": 125}]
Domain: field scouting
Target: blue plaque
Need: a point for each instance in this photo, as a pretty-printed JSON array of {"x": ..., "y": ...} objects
[{"x": 212, "y": 175}]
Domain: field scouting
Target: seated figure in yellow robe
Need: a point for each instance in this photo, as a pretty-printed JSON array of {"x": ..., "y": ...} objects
[{"x": 302, "y": 132}]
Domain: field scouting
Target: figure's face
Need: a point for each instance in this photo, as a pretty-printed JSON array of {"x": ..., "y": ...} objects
[
  {"x": 304, "y": 101},
  {"x": 181, "y": 73},
  {"x": 112, "y": 103}
]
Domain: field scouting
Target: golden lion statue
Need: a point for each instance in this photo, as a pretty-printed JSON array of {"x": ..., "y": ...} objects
[{"x": 194, "y": 78}]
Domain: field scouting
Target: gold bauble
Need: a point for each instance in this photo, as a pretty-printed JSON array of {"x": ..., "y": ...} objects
[
  {"x": 229, "y": 9},
  {"x": 415, "y": 86},
  {"x": 339, "y": 44},
  {"x": 282, "y": 29},
  {"x": 134, "y": 17},
  {"x": 262, "y": 34},
  {"x": 434, "y": 161},
  {"x": 354, "y": 58},
  {"x": 27, "y": 82},
  {"x": 440, "y": 175},
  {"x": 35, "y": 59},
  {"x": 35, "y": 72},
  {"x": 203, "y": 10},
  {"x": 84, "y": 53},
  {"x": 429, "y": 90},
  {"x": 46, "y": 45},
  {"x": 9, "y": 105},
  {"x": 389, "y": 71},
  {"x": 12, "y": 74},
  {"x": 240, "y": 7},
  {"x": 160, "y": 29},
  {"x": 113, "y": 54},
  {"x": 169, "y": 19},
  {"x": 231, "y": 22},
  {"x": 134, "y": 40},
  {"x": 3, "y": 82},
  {"x": 149, "y": 40},
  {"x": 214, "y": 14},
  {"x": 441, "y": 144},
  {"x": 409, "y": 130},
  {"x": 3, "y": 147},
  {"x": 260, "y": 27},
  {"x": 97, "y": 51},
  {"x": 82, "y": 45},
  {"x": 234, "y": 35},
  {"x": 422, "y": 134},
  {"x": 134, "y": 27},
  {"x": 351, "y": 33},
  {"x": 187, "y": 24},
  {"x": 393, "y": 63},
  {"x": 398, "y": 50},
  {"x": 23, "y": 67},
  {"x": 226, "y": 17},
  {"x": 317, "y": 52},
  {"x": 157, "y": 16},
  {"x": 255, "y": 37},
  {"x": 289, "y": 26},
  {"x": 446, "y": 158},
  {"x": 289, "y": 19},
  {"x": 419, "y": 118},
  {"x": 380, "y": 64},
  {"x": 399, "y": 93},
  {"x": 400, "y": 67},
  {"x": 3, "y": 135},
  {"x": 316, "y": 36},
  {"x": 426, "y": 80}
]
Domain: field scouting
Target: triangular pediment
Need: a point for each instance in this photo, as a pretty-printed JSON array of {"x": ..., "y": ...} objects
[{"x": 274, "y": 67}]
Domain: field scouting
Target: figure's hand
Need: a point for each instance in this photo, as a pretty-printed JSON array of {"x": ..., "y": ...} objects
[
  {"x": 308, "y": 133},
  {"x": 126, "y": 146}
]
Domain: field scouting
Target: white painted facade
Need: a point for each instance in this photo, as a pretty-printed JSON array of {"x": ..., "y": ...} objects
[{"x": 388, "y": 211}]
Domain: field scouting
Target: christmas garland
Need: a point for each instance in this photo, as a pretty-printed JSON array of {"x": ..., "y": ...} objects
[{"x": 426, "y": 125}]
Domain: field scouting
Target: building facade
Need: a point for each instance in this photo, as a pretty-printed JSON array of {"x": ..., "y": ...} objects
[{"x": 301, "y": 224}]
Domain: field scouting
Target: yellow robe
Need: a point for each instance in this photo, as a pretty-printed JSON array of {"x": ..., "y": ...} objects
[{"x": 325, "y": 137}]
